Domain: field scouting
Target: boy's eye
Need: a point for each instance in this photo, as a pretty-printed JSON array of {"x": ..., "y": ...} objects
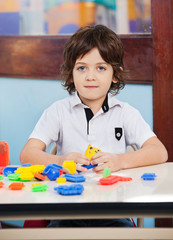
[
  {"x": 81, "y": 68},
  {"x": 101, "y": 68}
]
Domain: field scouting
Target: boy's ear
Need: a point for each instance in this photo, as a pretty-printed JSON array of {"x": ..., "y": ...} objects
[{"x": 114, "y": 80}]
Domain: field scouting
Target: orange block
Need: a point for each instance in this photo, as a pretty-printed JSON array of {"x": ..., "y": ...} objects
[
  {"x": 17, "y": 186},
  {"x": 1, "y": 184}
]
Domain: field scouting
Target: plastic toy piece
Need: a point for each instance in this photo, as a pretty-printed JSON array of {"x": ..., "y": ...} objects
[
  {"x": 14, "y": 177},
  {"x": 109, "y": 180},
  {"x": 148, "y": 176},
  {"x": 53, "y": 171},
  {"x": 60, "y": 172},
  {"x": 74, "y": 189},
  {"x": 36, "y": 184},
  {"x": 1, "y": 177},
  {"x": 16, "y": 186},
  {"x": 31, "y": 169},
  {"x": 70, "y": 165},
  {"x": 53, "y": 174},
  {"x": 88, "y": 166},
  {"x": 125, "y": 179},
  {"x": 37, "y": 168},
  {"x": 61, "y": 180},
  {"x": 40, "y": 188},
  {"x": 9, "y": 170},
  {"x": 113, "y": 179},
  {"x": 106, "y": 172},
  {"x": 1, "y": 170},
  {"x": 26, "y": 176},
  {"x": 91, "y": 151},
  {"x": 74, "y": 178},
  {"x": 58, "y": 167},
  {"x": 1, "y": 184},
  {"x": 39, "y": 176},
  {"x": 26, "y": 165},
  {"x": 23, "y": 170},
  {"x": 4, "y": 154}
]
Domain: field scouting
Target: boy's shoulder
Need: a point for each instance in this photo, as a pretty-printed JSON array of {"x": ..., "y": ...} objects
[
  {"x": 66, "y": 102},
  {"x": 113, "y": 101},
  {"x": 125, "y": 106}
]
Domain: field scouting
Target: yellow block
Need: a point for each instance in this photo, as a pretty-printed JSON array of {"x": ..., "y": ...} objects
[
  {"x": 31, "y": 169},
  {"x": 91, "y": 151},
  {"x": 70, "y": 165},
  {"x": 61, "y": 180},
  {"x": 26, "y": 176}
]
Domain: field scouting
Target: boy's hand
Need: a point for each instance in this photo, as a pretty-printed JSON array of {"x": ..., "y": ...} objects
[
  {"x": 78, "y": 158},
  {"x": 104, "y": 160}
]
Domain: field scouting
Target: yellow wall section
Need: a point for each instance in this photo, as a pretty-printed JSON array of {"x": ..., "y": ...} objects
[
  {"x": 131, "y": 10},
  {"x": 87, "y": 11}
]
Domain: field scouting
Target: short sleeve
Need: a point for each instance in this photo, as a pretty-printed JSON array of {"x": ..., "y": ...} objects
[
  {"x": 48, "y": 127},
  {"x": 137, "y": 130}
]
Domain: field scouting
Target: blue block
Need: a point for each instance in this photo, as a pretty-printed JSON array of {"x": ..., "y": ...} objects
[
  {"x": 26, "y": 165},
  {"x": 9, "y": 170},
  {"x": 48, "y": 167},
  {"x": 74, "y": 177},
  {"x": 148, "y": 176},
  {"x": 74, "y": 189},
  {"x": 88, "y": 166}
]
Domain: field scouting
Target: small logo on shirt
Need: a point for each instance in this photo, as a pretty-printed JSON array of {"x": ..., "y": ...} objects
[{"x": 118, "y": 133}]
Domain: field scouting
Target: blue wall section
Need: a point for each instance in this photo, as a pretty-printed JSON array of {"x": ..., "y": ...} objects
[{"x": 22, "y": 102}]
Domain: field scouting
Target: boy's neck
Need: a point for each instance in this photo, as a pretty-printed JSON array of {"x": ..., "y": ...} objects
[{"x": 94, "y": 105}]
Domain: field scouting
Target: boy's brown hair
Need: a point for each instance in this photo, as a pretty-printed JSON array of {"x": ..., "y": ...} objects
[{"x": 84, "y": 40}]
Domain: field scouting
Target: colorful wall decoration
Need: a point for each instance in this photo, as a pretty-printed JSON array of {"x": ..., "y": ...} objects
[{"x": 39, "y": 17}]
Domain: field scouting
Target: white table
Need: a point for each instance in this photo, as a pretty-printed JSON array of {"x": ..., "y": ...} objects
[{"x": 137, "y": 198}]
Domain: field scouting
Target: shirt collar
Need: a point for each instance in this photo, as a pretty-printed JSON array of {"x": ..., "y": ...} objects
[
  {"x": 75, "y": 100},
  {"x": 109, "y": 102},
  {"x": 112, "y": 101}
]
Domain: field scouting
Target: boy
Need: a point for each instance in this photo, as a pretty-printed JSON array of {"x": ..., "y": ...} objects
[{"x": 93, "y": 72}]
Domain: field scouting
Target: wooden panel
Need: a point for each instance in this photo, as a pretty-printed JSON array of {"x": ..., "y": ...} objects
[
  {"x": 41, "y": 57},
  {"x": 31, "y": 57},
  {"x": 138, "y": 57},
  {"x": 162, "y": 22},
  {"x": 163, "y": 72}
]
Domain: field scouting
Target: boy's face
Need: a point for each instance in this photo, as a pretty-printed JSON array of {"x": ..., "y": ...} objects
[{"x": 92, "y": 78}]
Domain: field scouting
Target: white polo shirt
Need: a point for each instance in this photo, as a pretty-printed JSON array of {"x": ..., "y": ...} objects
[{"x": 72, "y": 125}]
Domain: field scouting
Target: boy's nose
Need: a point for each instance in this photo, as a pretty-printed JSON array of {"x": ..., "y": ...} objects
[{"x": 90, "y": 75}]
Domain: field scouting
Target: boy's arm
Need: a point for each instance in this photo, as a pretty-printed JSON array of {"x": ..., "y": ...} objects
[
  {"x": 151, "y": 152},
  {"x": 33, "y": 152}
]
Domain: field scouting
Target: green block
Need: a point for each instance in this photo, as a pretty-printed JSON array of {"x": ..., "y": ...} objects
[{"x": 106, "y": 172}]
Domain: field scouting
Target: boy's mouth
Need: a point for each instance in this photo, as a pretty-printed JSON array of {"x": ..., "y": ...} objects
[{"x": 90, "y": 87}]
